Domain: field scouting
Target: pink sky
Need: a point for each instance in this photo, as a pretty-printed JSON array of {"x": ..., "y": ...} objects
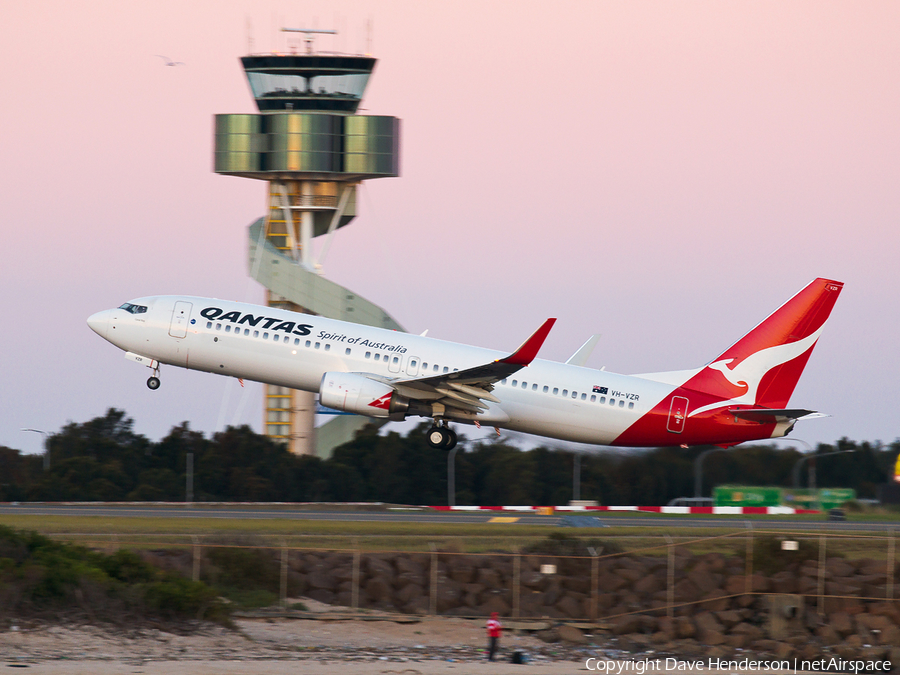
[{"x": 663, "y": 173}]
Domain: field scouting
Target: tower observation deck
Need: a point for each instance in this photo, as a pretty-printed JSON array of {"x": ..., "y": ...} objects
[{"x": 313, "y": 149}]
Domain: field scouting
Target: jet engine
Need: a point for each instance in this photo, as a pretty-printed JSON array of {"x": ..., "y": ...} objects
[{"x": 355, "y": 393}]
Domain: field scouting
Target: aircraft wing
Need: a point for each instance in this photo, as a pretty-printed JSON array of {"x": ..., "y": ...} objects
[{"x": 468, "y": 389}]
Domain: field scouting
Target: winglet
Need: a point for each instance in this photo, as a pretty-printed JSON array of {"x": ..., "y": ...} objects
[{"x": 529, "y": 349}]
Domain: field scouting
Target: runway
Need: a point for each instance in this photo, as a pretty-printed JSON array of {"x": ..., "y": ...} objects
[{"x": 426, "y": 515}]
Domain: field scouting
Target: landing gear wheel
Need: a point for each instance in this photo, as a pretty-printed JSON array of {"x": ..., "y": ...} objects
[
  {"x": 153, "y": 383},
  {"x": 442, "y": 438},
  {"x": 451, "y": 438},
  {"x": 437, "y": 437}
]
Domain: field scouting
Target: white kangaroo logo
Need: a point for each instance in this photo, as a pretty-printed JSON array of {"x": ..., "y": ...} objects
[{"x": 749, "y": 372}]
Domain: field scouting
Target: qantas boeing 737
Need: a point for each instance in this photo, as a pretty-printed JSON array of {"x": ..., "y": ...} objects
[{"x": 739, "y": 396}]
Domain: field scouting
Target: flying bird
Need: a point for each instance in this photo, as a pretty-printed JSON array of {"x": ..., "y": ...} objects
[{"x": 170, "y": 62}]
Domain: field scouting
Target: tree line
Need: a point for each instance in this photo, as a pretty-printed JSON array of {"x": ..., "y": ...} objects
[{"x": 105, "y": 460}]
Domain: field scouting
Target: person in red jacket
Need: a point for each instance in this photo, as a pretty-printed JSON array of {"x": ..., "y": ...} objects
[{"x": 494, "y": 628}]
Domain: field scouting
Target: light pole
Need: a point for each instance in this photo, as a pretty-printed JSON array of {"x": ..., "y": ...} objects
[
  {"x": 698, "y": 469},
  {"x": 795, "y": 474},
  {"x": 46, "y": 446},
  {"x": 451, "y": 476},
  {"x": 576, "y": 478}
]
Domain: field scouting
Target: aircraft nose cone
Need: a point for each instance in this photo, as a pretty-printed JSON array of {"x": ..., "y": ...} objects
[{"x": 99, "y": 323}]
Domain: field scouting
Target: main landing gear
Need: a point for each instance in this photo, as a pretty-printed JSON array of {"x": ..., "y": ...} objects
[{"x": 441, "y": 437}]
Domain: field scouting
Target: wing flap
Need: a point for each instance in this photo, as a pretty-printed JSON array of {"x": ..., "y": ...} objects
[{"x": 468, "y": 389}]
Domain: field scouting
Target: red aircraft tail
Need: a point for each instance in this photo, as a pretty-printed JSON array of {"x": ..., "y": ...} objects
[{"x": 762, "y": 368}]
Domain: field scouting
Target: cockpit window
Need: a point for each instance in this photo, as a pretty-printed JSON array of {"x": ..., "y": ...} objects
[{"x": 133, "y": 309}]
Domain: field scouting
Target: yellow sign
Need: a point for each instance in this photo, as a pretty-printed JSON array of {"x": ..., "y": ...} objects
[{"x": 503, "y": 519}]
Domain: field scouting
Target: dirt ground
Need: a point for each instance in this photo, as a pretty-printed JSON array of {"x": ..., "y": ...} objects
[{"x": 336, "y": 641}]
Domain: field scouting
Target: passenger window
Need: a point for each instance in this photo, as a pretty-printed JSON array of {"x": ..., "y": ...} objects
[
  {"x": 515, "y": 383},
  {"x": 218, "y": 326},
  {"x": 296, "y": 341},
  {"x": 435, "y": 369},
  {"x": 246, "y": 331},
  {"x": 327, "y": 346},
  {"x": 308, "y": 343},
  {"x": 602, "y": 399},
  {"x": 565, "y": 392},
  {"x": 378, "y": 357},
  {"x": 630, "y": 405},
  {"x": 446, "y": 369},
  {"x": 621, "y": 404},
  {"x": 574, "y": 394},
  {"x": 583, "y": 396},
  {"x": 503, "y": 381},
  {"x": 555, "y": 390},
  {"x": 347, "y": 351},
  {"x": 524, "y": 385},
  {"x": 612, "y": 401},
  {"x": 275, "y": 338},
  {"x": 424, "y": 366},
  {"x": 396, "y": 360},
  {"x": 534, "y": 387},
  {"x": 546, "y": 388},
  {"x": 412, "y": 364},
  {"x": 265, "y": 336},
  {"x": 209, "y": 324},
  {"x": 227, "y": 329},
  {"x": 318, "y": 344},
  {"x": 256, "y": 333},
  {"x": 368, "y": 355}
]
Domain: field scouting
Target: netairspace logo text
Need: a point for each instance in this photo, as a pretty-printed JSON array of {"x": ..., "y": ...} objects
[{"x": 643, "y": 666}]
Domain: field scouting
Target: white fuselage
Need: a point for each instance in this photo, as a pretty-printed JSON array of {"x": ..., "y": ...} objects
[{"x": 295, "y": 350}]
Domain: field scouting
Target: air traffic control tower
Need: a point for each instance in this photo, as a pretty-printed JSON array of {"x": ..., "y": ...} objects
[{"x": 313, "y": 150}]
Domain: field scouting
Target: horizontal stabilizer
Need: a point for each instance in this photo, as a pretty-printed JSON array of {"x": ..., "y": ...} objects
[{"x": 771, "y": 415}]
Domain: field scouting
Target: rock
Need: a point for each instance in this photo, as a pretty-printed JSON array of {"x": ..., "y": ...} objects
[
  {"x": 320, "y": 579},
  {"x": 684, "y": 627},
  {"x": 376, "y": 567},
  {"x": 686, "y": 591},
  {"x": 379, "y": 589},
  {"x": 571, "y": 634},
  {"x": 418, "y": 605},
  {"x": 839, "y": 567},
  {"x": 890, "y": 636},
  {"x": 321, "y": 595},
  {"x": 749, "y": 630},
  {"x": 841, "y": 622},
  {"x": 630, "y": 623},
  {"x": 828, "y": 635},
  {"x": 610, "y": 583},
  {"x": 729, "y": 618},
  {"x": 489, "y": 577},
  {"x": 631, "y": 575},
  {"x": 409, "y": 593},
  {"x": 550, "y": 635},
  {"x": 649, "y": 585},
  {"x": 407, "y": 566},
  {"x": 495, "y": 604},
  {"x": 783, "y": 650},
  {"x": 705, "y": 581},
  {"x": 569, "y": 606}
]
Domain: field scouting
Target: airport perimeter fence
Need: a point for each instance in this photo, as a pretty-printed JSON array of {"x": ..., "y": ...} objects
[{"x": 612, "y": 580}]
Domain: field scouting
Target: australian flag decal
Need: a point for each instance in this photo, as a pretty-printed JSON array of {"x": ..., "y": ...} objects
[{"x": 601, "y": 390}]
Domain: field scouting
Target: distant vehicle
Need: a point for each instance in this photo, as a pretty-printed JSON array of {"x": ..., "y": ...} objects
[{"x": 739, "y": 396}]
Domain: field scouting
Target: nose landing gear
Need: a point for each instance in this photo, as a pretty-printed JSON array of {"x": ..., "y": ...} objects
[
  {"x": 441, "y": 436},
  {"x": 153, "y": 382}
]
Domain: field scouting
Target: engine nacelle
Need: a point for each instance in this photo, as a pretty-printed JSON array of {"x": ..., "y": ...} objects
[{"x": 355, "y": 393}]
